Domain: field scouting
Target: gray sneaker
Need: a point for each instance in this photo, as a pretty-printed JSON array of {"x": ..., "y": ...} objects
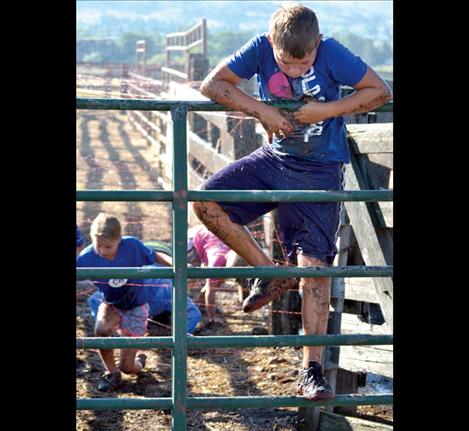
[
  {"x": 109, "y": 381},
  {"x": 312, "y": 383},
  {"x": 265, "y": 290}
]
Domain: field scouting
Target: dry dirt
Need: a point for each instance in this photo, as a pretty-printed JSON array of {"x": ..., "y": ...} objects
[{"x": 111, "y": 155}]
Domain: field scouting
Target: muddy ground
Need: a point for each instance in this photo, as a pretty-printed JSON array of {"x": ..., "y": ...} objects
[{"x": 111, "y": 155}]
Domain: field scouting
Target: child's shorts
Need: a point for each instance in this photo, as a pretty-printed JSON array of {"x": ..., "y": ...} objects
[
  {"x": 133, "y": 322},
  {"x": 309, "y": 228}
]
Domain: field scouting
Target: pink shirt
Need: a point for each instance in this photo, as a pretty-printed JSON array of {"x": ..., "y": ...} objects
[{"x": 211, "y": 250}]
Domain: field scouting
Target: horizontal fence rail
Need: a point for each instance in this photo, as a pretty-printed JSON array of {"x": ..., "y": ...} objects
[
  {"x": 242, "y": 341},
  {"x": 238, "y": 272},
  {"x": 214, "y": 403},
  {"x": 190, "y": 105},
  {"x": 236, "y": 196}
]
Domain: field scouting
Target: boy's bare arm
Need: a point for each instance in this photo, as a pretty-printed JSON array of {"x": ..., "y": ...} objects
[
  {"x": 371, "y": 93},
  {"x": 164, "y": 259},
  {"x": 220, "y": 86}
]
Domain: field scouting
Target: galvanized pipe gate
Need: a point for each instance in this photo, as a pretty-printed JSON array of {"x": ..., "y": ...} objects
[{"x": 180, "y": 342}]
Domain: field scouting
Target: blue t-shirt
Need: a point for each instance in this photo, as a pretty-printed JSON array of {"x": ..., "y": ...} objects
[
  {"x": 333, "y": 66},
  {"x": 122, "y": 293},
  {"x": 80, "y": 239},
  {"x": 159, "y": 298}
]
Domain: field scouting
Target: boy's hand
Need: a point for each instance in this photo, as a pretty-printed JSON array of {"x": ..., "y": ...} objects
[
  {"x": 312, "y": 112},
  {"x": 274, "y": 123}
]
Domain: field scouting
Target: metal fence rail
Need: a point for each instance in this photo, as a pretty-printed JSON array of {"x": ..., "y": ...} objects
[{"x": 179, "y": 342}]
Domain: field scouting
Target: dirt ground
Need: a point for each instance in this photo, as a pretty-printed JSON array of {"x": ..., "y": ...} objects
[{"x": 111, "y": 155}]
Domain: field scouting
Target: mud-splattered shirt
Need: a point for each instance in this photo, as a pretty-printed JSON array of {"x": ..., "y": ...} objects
[{"x": 333, "y": 67}]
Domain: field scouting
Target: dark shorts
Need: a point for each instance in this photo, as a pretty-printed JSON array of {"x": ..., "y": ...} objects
[{"x": 309, "y": 228}]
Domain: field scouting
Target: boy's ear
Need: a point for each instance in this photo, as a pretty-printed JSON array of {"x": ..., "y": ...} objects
[
  {"x": 319, "y": 39},
  {"x": 269, "y": 39}
]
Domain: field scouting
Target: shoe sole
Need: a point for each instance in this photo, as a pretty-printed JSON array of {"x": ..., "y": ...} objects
[
  {"x": 249, "y": 307},
  {"x": 318, "y": 396}
]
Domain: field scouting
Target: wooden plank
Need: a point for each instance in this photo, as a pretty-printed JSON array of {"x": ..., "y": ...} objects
[
  {"x": 174, "y": 72},
  {"x": 195, "y": 180},
  {"x": 357, "y": 289},
  {"x": 360, "y": 289},
  {"x": 205, "y": 154},
  {"x": 332, "y": 353},
  {"x": 367, "y": 359},
  {"x": 368, "y": 242},
  {"x": 334, "y": 422},
  {"x": 331, "y": 360},
  {"x": 145, "y": 134},
  {"x": 386, "y": 211},
  {"x": 352, "y": 324},
  {"x": 218, "y": 119},
  {"x": 372, "y": 359},
  {"x": 371, "y": 137}
]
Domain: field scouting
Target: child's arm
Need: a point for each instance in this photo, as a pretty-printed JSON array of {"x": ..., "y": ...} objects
[
  {"x": 220, "y": 86},
  {"x": 371, "y": 93},
  {"x": 163, "y": 259}
]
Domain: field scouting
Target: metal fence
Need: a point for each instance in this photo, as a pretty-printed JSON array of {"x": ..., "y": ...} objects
[{"x": 179, "y": 342}]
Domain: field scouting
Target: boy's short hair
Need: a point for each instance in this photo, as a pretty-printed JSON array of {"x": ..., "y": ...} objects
[
  {"x": 106, "y": 227},
  {"x": 294, "y": 29}
]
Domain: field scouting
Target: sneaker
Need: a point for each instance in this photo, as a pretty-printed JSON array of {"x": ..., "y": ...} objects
[
  {"x": 265, "y": 290},
  {"x": 142, "y": 358},
  {"x": 109, "y": 381},
  {"x": 312, "y": 383}
]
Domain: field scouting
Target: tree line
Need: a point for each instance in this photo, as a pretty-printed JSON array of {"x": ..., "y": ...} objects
[{"x": 219, "y": 46}]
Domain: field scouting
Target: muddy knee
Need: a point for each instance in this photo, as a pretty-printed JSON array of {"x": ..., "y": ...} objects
[
  {"x": 102, "y": 330},
  {"x": 200, "y": 209}
]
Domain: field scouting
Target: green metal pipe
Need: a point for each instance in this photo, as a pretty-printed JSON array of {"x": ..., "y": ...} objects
[
  {"x": 291, "y": 195},
  {"x": 189, "y": 105},
  {"x": 124, "y": 403},
  {"x": 124, "y": 272},
  {"x": 123, "y": 195},
  {"x": 124, "y": 343},
  {"x": 238, "y": 272},
  {"x": 291, "y": 271},
  {"x": 217, "y": 403},
  {"x": 237, "y": 195},
  {"x": 245, "y": 341},
  {"x": 240, "y": 341},
  {"x": 179, "y": 314}
]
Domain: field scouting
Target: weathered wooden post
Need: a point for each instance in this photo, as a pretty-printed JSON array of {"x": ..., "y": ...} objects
[
  {"x": 141, "y": 57},
  {"x": 285, "y": 313}
]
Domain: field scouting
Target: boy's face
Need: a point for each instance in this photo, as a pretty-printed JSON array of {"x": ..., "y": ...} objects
[
  {"x": 292, "y": 66},
  {"x": 106, "y": 248}
]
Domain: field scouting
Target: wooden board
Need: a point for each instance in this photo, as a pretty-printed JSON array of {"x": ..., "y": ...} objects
[
  {"x": 372, "y": 359},
  {"x": 357, "y": 289},
  {"x": 367, "y": 359},
  {"x": 205, "y": 154},
  {"x": 334, "y": 422},
  {"x": 371, "y": 138},
  {"x": 368, "y": 241}
]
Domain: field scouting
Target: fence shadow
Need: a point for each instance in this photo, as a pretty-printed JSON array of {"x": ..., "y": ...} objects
[
  {"x": 134, "y": 215},
  {"x": 95, "y": 172}
]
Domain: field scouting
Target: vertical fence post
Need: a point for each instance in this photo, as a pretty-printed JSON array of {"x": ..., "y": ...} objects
[{"x": 179, "y": 314}]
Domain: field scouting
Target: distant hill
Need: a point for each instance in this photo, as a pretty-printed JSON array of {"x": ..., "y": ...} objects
[{"x": 113, "y": 18}]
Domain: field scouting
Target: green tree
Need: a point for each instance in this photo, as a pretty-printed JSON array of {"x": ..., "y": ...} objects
[
  {"x": 371, "y": 52},
  {"x": 223, "y": 44}
]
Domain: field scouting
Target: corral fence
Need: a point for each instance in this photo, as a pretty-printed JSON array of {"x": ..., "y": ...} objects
[{"x": 179, "y": 343}]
